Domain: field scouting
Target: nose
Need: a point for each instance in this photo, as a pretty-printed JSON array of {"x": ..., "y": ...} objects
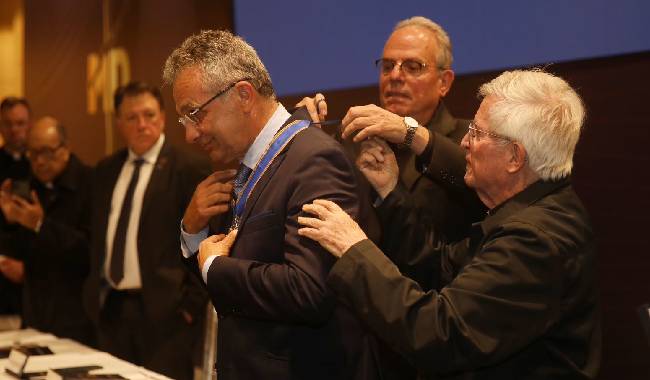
[
  {"x": 191, "y": 133},
  {"x": 396, "y": 72},
  {"x": 465, "y": 141}
]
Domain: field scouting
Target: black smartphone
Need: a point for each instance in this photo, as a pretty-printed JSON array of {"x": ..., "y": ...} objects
[{"x": 21, "y": 188}]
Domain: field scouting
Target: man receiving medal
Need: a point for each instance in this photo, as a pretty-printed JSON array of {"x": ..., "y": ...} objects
[{"x": 277, "y": 318}]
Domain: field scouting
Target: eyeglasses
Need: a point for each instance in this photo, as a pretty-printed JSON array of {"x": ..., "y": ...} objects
[
  {"x": 46, "y": 153},
  {"x": 475, "y": 131},
  {"x": 194, "y": 116},
  {"x": 408, "y": 66}
]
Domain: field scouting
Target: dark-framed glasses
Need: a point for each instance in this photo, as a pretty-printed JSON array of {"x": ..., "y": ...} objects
[
  {"x": 46, "y": 153},
  {"x": 475, "y": 133},
  {"x": 193, "y": 117},
  {"x": 408, "y": 66}
]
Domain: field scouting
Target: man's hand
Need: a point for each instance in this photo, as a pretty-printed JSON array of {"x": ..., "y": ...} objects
[
  {"x": 372, "y": 121},
  {"x": 378, "y": 164},
  {"x": 18, "y": 210},
  {"x": 216, "y": 245},
  {"x": 332, "y": 228},
  {"x": 211, "y": 197},
  {"x": 12, "y": 269},
  {"x": 316, "y": 106}
]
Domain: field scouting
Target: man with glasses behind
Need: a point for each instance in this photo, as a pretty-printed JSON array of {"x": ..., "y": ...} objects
[
  {"x": 51, "y": 234},
  {"x": 519, "y": 299},
  {"x": 146, "y": 305},
  {"x": 414, "y": 76}
]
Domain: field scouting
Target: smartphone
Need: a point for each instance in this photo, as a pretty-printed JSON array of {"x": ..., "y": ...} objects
[{"x": 21, "y": 188}]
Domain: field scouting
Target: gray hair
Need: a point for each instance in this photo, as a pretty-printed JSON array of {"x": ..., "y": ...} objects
[
  {"x": 224, "y": 59},
  {"x": 444, "y": 58},
  {"x": 542, "y": 112}
]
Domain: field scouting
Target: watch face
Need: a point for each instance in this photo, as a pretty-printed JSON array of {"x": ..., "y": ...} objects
[{"x": 411, "y": 122}]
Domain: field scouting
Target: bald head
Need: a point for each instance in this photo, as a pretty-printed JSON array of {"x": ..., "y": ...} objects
[
  {"x": 48, "y": 128},
  {"x": 47, "y": 150}
]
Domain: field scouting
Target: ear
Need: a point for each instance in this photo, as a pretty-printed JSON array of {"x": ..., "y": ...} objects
[
  {"x": 246, "y": 95},
  {"x": 446, "y": 80},
  {"x": 162, "y": 120},
  {"x": 518, "y": 157},
  {"x": 66, "y": 153}
]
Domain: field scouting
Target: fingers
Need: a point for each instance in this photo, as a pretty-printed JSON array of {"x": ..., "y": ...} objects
[
  {"x": 35, "y": 200},
  {"x": 316, "y": 107},
  {"x": 220, "y": 176},
  {"x": 315, "y": 209},
  {"x": 310, "y": 222},
  {"x": 215, "y": 238},
  {"x": 321, "y": 106},
  {"x": 229, "y": 240},
  {"x": 373, "y": 149},
  {"x": 328, "y": 205},
  {"x": 6, "y": 186}
]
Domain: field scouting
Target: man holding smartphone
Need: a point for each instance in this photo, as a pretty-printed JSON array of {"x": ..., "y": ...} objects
[
  {"x": 50, "y": 233},
  {"x": 14, "y": 125}
]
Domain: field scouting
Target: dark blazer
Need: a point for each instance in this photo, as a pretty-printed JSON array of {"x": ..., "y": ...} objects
[
  {"x": 167, "y": 287},
  {"x": 277, "y": 318},
  {"x": 519, "y": 298},
  {"x": 10, "y": 293},
  {"x": 56, "y": 258}
]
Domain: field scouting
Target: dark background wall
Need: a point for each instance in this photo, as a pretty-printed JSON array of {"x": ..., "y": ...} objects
[{"x": 611, "y": 165}]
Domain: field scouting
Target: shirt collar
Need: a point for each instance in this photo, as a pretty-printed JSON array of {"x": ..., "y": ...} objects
[
  {"x": 265, "y": 136},
  {"x": 521, "y": 200},
  {"x": 151, "y": 155}
]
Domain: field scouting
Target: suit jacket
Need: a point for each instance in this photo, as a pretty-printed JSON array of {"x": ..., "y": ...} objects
[
  {"x": 277, "y": 318},
  {"x": 519, "y": 300},
  {"x": 10, "y": 293},
  {"x": 56, "y": 258},
  {"x": 167, "y": 287}
]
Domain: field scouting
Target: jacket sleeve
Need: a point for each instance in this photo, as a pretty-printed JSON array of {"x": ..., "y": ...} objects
[
  {"x": 293, "y": 289},
  {"x": 500, "y": 301}
]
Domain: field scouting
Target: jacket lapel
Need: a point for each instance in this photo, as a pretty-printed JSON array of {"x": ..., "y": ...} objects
[
  {"x": 299, "y": 114},
  {"x": 159, "y": 177}
]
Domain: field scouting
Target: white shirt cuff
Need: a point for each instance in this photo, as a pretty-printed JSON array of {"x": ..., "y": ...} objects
[
  {"x": 206, "y": 268},
  {"x": 190, "y": 242}
]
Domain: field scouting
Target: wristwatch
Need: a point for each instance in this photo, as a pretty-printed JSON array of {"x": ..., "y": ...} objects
[{"x": 411, "y": 125}]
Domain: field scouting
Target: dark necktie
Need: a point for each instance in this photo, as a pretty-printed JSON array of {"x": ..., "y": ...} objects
[
  {"x": 240, "y": 180},
  {"x": 119, "y": 241}
]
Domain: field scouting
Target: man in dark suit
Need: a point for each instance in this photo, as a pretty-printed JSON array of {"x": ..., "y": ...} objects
[
  {"x": 15, "y": 116},
  {"x": 51, "y": 234},
  {"x": 278, "y": 320},
  {"x": 145, "y": 303}
]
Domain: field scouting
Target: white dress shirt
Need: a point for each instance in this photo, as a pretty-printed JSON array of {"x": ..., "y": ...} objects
[
  {"x": 190, "y": 242},
  {"x": 131, "y": 279}
]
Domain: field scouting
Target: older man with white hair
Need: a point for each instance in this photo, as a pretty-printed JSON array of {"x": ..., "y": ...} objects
[{"x": 519, "y": 298}]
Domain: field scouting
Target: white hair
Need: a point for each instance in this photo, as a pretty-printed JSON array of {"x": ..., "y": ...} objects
[
  {"x": 444, "y": 58},
  {"x": 223, "y": 57},
  {"x": 542, "y": 112}
]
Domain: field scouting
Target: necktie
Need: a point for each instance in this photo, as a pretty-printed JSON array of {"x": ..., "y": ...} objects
[
  {"x": 119, "y": 241},
  {"x": 240, "y": 180}
]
